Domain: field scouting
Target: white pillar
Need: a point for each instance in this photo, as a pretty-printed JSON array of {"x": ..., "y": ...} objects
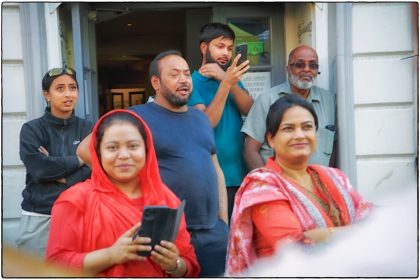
[
  {"x": 52, "y": 24},
  {"x": 320, "y": 41}
]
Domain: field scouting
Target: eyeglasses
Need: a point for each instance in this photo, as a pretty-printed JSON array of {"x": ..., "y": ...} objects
[
  {"x": 58, "y": 71},
  {"x": 301, "y": 65}
]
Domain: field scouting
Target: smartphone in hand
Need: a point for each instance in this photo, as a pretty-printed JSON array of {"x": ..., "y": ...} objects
[
  {"x": 159, "y": 223},
  {"x": 243, "y": 50}
]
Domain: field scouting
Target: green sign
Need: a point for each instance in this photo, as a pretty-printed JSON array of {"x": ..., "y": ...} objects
[{"x": 255, "y": 48}]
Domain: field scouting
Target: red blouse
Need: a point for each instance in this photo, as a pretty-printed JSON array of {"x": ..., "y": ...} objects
[{"x": 273, "y": 221}]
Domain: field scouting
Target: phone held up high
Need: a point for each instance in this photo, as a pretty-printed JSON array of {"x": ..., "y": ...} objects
[{"x": 243, "y": 50}]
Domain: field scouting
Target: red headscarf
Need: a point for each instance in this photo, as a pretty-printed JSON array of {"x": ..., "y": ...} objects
[
  {"x": 107, "y": 212},
  {"x": 152, "y": 187}
]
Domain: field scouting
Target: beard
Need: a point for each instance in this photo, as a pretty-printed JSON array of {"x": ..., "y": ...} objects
[
  {"x": 173, "y": 98},
  {"x": 297, "y": 82},
  {"x": 210, "y": 59}
]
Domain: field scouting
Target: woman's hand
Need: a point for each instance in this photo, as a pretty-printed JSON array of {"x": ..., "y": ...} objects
[
  {"x": 318, "y": 234},
  {"x": 44, "y": 151},
  {"x": 166, "y": 255},
  {"x": 125, "y": 248}
]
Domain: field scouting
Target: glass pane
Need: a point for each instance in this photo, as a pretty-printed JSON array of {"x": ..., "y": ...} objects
[{"x": 255, "y": 32}]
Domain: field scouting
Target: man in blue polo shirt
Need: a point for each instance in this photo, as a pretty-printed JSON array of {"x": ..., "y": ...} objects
[{"x": 220, "y": 94}]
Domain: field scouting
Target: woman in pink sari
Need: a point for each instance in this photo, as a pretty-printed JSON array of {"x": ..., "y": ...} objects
[{"x": 289, "y": 199}]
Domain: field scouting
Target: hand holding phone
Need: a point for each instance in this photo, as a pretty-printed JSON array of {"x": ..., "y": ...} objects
[
  {"x": 159, "y": 223},
  {"x": 243, "y": 50}
]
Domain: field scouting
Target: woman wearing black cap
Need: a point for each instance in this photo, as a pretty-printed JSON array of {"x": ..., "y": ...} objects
[{"x": 48, "y": 150}]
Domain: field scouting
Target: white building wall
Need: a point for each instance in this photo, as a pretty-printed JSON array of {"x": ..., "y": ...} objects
[
  {"x": 14, "y": 115},
  {"x": 384, "y": 96}
]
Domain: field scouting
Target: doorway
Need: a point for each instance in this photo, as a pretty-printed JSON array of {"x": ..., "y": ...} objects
[
  {"x": 129, "y": 35},
  {"x": 127, "y": 40}
]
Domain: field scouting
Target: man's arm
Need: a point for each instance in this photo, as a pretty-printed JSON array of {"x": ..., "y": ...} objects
[
  {"x": 223, "y": 204},
  {"x": 83, "y": 150},
  {"x": 228, "y": 80},
  {"x": 252, "y": 155},
  {"x": 242, "y": 99},
  {"x": 215, "y": 109}
]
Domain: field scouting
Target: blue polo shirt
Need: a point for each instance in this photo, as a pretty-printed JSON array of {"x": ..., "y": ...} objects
[{"x": 228, "y": 136}]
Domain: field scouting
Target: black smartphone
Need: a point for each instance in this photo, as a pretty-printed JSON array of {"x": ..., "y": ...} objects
[
  {"x": 147, "y": 228},
  {"x": 159, "y": 223},
  {"x": 243, "y": 50}
]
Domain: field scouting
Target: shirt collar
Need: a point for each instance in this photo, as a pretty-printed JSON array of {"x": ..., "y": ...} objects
[
  {"x": 58, "y": 121},
  {"x": 201, "y": 77}
]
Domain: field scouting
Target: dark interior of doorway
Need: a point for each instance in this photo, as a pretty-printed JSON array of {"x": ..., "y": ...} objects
[{"x": 128, "y": 39}]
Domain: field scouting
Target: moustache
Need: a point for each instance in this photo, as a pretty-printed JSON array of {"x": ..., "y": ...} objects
[{"x": 184, "y": 86}]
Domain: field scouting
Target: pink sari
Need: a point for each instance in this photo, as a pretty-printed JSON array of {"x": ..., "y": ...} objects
[{"x": 267, "y": 184}]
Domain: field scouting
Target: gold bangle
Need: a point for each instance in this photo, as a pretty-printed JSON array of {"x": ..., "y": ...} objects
[{"x": 178, "y": 266}]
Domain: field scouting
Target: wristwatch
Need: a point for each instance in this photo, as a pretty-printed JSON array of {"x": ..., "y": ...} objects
[{"x": 178, "y": 266}]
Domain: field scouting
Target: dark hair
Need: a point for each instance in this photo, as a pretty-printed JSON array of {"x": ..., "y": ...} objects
[
  {"x": 214, "y": 30},
  {"x": 122, "y": 117},
  {"x": 154, "y": 69},
  {"x": 278, "y": 108},
  {"x": 54, "y": 73}
]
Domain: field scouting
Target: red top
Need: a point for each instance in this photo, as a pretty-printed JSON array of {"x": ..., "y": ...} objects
[
  {"x": 274, "y": 221},
  {"x": 93, "y": 214}
]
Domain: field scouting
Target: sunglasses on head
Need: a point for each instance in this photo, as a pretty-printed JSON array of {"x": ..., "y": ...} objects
[
  {"x": 58, "y": 71},
  {"x": 301, "y": 65}
]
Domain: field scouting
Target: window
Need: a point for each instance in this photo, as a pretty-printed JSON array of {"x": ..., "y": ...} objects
[{"x": 255, "y": 32}]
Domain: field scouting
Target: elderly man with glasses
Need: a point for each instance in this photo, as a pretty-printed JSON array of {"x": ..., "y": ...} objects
[{"x": 302, "y": 70}]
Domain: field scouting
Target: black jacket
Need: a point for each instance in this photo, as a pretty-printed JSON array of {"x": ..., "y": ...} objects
[{"x": 61, "y": 138}]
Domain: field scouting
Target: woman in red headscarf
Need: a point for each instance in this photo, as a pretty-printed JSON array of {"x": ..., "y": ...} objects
[{"x": 93, "y": 222}]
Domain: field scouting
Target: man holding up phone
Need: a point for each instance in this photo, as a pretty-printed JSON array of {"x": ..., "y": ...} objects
[{"x": 219, "y": 93}]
